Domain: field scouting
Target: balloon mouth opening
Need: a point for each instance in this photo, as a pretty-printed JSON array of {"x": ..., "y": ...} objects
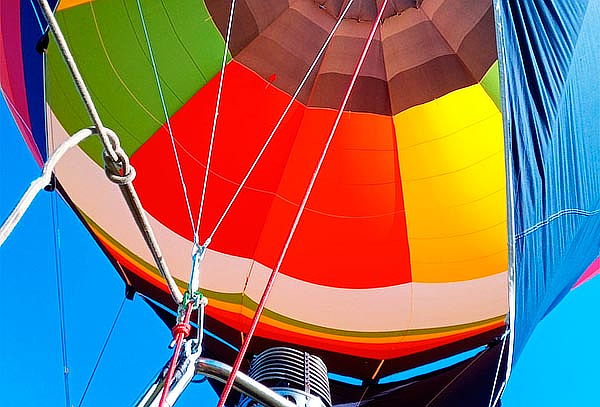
[{"x": 366, "y": 10}]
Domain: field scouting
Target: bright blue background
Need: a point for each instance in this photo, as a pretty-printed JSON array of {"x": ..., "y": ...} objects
[{"x": 557, "y": 368}]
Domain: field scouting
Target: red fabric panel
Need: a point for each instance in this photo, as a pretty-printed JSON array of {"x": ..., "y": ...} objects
[
  {"x": 366, "y": 350},
  {"x": 353, "y": 233}
]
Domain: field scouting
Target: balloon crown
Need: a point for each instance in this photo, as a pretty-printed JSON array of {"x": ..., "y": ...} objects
[{"x": 366, "y": 10}]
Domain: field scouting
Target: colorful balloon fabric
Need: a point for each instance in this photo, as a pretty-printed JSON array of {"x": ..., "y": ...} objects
[{"x": 401, "y": 258}]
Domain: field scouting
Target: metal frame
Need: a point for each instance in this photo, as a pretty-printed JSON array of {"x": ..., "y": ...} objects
[
  {"x": 212, "y": 369},
  {"x": 242, "y": 383}
]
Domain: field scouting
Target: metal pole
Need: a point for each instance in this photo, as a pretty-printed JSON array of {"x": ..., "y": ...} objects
[
  {"x": 242, "y": 383},
  {"x": 214, "y": 370}
]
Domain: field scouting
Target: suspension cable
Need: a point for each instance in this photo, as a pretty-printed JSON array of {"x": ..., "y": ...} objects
[
  {"x": 60, "y": 298},
  {"x": 493, "y": 400},
  {"x": 279, "y": 122},
  {"x": 270, "y": 282},
  {"x": 166, "y": 113},
  {"x": 199, "y": 251},
  {"x": 117, "y": 166},
  {"x": 215, "y": 118},
  {"x": 106, "y": 341}
]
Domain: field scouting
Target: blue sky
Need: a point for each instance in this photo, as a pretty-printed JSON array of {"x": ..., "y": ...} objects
[{"x": 557, "y": 368}]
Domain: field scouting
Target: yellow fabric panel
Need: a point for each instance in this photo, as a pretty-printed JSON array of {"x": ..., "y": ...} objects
[
  {"x": 64, "y": 4},
  {"x": 451, "y": 156}
]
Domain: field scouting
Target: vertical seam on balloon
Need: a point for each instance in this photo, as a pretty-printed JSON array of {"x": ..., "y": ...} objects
[
  {"x": 462, "y": 62},
  {"x": 410, "y": 318}
]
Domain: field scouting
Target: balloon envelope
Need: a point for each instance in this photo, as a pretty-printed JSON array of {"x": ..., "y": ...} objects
[{"x": 401, "y": 257}]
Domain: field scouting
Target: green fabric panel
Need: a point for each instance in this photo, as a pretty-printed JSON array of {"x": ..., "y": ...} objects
[
  {"x": 491, "y": 83},
  {"x": 107, "y": 40}
]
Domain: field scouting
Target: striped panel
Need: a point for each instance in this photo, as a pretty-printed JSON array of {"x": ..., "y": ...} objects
[
  {"x": 451, "y": 40},
  {"x": 358, "y": 323}
]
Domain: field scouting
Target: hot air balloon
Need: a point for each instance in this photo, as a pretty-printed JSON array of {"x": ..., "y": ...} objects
[{"x": 406, "y": 186}]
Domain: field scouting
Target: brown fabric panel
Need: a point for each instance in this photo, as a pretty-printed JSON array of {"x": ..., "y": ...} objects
[
  {"x": 312, "y": 11},
  {"x": 279, "y": 51},
  {"x": 366, "y": 10},
  {"x": 368, "y": 95},
  {"x": 478, "y": 50},
  {"x": 245, "y": 25},
  {"x": 428, "y": 81},
  {"x": 431, "y": 6},
  {"x": 409, "y": 18},
  {"x": 456, "y": 18},
  {"x": 411, "y": 52},
  {"x": 286, "y": 49},
  {"x": 412, "y": 47},
  {"x": 343, "y": 55},
  {"x": 265, "y": 12},
  {"x": 474, "y": 40}
]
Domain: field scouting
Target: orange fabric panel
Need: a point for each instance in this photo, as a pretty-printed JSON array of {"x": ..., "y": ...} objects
[
  {"x": 353, "y": 233},
  {"x": 65, "y": 4}
]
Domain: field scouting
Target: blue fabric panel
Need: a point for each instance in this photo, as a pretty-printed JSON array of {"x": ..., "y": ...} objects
[
  {"x": 550, "y": 68},
  {"x": 33, "y": 26}
]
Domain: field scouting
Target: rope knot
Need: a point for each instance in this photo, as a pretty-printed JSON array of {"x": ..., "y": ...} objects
[
  {"x": 181, "y": 328},
  {"x": 119, "y": 171}
]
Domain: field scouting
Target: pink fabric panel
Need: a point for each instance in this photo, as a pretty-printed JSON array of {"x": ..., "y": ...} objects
[
  {"x": 12, "y": 80},
  {"x": 592, "y": 271}
]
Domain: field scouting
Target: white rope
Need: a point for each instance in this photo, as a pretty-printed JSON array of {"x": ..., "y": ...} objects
[
  {"x": 166, "y": 113},
  {"x": 279, "y": 122},
  {"x": 117, "y": 165},
  {"x": 500, "y": 392},
  {"x": 40, "y": 183},
  {"x": 215, "y": 118},
  {"x": 336, "y": 123},
  {"x": 329, "y": 139},
  {"x": 493, "y": 400},
  {"x": 199, "y": 251},
  {"x": 77, "y": 78}
]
